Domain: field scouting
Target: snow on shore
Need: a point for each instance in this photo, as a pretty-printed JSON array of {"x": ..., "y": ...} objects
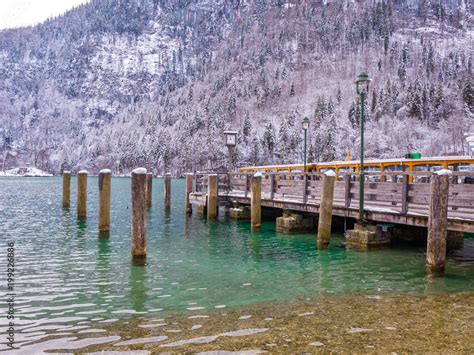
[{"x": 27, "y": 171}]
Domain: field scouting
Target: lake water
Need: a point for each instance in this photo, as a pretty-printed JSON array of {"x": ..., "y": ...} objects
[{"x": 66, "y": 274}]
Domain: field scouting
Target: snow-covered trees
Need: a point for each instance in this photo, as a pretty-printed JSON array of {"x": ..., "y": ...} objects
[{"x": 155, "y": 83}]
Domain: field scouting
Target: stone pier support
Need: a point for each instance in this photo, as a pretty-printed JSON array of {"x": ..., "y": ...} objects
[
  {"x": 369, "y": 236},
  {"x": 239, "y": 213},
  {"x": 292, "y": 222}
]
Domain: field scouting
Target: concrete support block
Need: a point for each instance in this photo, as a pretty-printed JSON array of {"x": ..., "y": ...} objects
[
  {"x": 369, "y": 236},
  {"x": 294, "y": 223},
  {"x": 240, "y": 213}
]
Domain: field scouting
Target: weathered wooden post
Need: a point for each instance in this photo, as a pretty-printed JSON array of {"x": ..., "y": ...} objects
[
  {"x": 272, "y": 186},
  {"x": 437, "y": 222},
  {"x": 82, "y": 194},
  {"x": 347, "y": 190},
  {"x": 149, "y": 188},
  {"x": 405, "y": 192},
  {"x": 325, "y": 210},
  {"x": 167, "y": 191},
  {"x": 212, "y": 191},
  {"x": 66, "y": 189},
  {"x": 139, "y": 213},
  {"x": 255, "y": 202},
  {"x": 189, "y": 188},
  {"x": 104, "y": 200}
]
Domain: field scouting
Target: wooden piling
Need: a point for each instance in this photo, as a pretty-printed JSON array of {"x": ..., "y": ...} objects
[
  {"x": 167, "y": 191},
  {"x": 139, "y": 178},
  {"x": 347, "y": 190},
  {"x": 104, "y": 200},
  {"x": 66, "y": 189},
  {"x": 325, "y": 210},
  {"x": 405, "y": 192},
  {"x": 82, "y": 194},
  {"x": 437, "y": 222},
  {"x": 149, "y": 188},
  {"x": 255, "y": 202},
  {"x": 212, "y": 191},
  {"x": 189, "y": 188}
]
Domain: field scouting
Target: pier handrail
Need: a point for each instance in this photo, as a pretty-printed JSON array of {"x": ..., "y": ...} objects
[{"x": 391, "y": 192}]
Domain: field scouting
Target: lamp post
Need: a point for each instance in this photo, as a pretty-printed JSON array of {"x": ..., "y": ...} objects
[
  {"x": 470, "y": 143},
  {"x": 230, "y": 138},
  {"x": 362, "y": 87},
  {"x": 305, "y": 124}
]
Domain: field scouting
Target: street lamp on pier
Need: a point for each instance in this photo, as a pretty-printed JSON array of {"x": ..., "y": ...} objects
[
  {"x": 305, "y": 124},
  {"x": 362, "y": 87},
  {"x": 230, "y": 138}
]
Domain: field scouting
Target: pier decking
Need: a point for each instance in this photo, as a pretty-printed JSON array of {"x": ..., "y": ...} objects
[{"x": 389, "y": 197}]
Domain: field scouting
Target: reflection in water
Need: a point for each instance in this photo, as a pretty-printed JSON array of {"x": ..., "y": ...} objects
[
  {"x": 81, "y": 233},
  {"x": 138, "y": 286},
  {"x": 103, "y": 264},
  {"x": 325, "y": 280},
  {"x": 435, "y": 284},
  {"x": 167, "y": 221},
  {"x": 256, "y": 246},
  {"x": 81, "y": 224}
]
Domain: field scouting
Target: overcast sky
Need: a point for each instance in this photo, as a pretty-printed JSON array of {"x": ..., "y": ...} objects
[{"x": 17, "y": 13}]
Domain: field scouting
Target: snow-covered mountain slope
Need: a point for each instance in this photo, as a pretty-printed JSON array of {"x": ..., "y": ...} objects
[{"x": 155, "y": 82}]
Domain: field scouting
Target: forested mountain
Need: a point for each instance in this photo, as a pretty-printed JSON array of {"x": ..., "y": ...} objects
[{"x": 123, "y": 83}]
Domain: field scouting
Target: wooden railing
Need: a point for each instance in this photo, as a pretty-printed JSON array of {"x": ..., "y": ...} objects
[{"x": 390, "y": 192}]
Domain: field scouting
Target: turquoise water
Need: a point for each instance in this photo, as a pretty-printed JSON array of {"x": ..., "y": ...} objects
[{"x": 65, "y": 271}]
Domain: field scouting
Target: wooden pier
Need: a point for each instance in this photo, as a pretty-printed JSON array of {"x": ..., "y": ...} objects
[
  {"x": 441, "y": 202},
  {"x": 389, "y": 196}
]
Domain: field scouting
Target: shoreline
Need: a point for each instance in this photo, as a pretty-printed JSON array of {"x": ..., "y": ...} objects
[{"x": 331, "y": 323}]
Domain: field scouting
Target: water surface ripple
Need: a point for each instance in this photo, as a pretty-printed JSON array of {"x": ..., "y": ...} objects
[{"x": 67, "y": 276}]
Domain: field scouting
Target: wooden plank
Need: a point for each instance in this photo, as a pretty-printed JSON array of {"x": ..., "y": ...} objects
[
  {"x": 296, "y": 191},
  {"x": 462, "y": 189},
  {"x": 420, "y": 188},
  {"x": 290, "y": 183},
  {"x": 460, "y": 202},
  {"x": 419, "y": 199},
  {"x": 316, "y": 184}
]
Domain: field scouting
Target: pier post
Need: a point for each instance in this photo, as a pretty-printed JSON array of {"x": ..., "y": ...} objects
[
  {"x": 167, "y": 191},
  {"x": 139, "y": 213},
  {"x": 82, "y": 194},
  {"x": 66, "y": 189},
  {"x": 189, "y": 188},
  {"x": 405, "y": 192},
  {"x": 104, "y": 200},
  {"x": 149, "y": 188},
  {"x": 437, "y": 222},
  {"x": 255, "y": 202},
  {"x": 212, "y": 191},
  {"x": 325, "y": 210}
]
